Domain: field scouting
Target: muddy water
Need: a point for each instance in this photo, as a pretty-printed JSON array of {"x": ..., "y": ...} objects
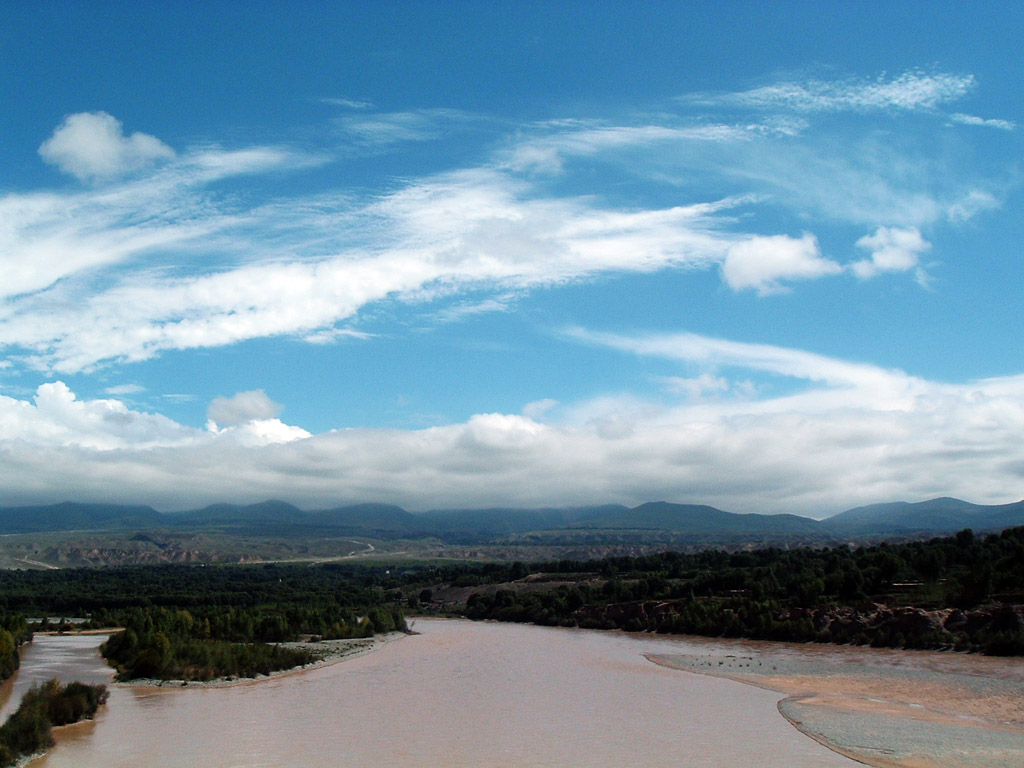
[
  {"x": 459, "y": 694},
  {"x": 67, "y": 658}
]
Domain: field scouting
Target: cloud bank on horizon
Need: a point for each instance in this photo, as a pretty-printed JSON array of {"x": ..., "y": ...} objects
[
  {"x": 782, "y": 209},
  {"x": 858, "y": 433}
]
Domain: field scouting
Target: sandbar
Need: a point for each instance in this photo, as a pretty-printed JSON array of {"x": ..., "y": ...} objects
[
  {"x": 327, "y": 652},
  {"x": 891, "y": 709}
]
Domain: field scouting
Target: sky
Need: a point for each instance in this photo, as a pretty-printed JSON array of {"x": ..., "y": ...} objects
[{"x": 760, "y": 256}]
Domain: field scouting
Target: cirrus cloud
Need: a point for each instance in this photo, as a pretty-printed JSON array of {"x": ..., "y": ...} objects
[
  {"x": 914, "y": 89},
  {"x": 166, "y": 260}
]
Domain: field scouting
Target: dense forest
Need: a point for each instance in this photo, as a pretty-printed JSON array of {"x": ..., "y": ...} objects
[
  {"x": 28, "y": 730},
  {"x": 961, "y": 592},
  {"x": 196, "y": 622}
]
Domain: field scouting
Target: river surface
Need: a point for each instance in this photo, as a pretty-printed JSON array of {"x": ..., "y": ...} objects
[{"x": 458, "y": 694}]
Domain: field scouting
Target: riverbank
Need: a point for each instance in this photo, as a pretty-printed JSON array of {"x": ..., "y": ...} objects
[
  {"x": 890, "y": 709},
  {"x": 327, "y": 653},
  {"x": 76, "y": 632}
]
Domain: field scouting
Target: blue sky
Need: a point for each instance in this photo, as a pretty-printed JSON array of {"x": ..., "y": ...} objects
[{"x": 461, "y": 254}]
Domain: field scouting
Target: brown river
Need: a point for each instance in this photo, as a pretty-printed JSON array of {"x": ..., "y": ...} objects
[{"x": 457, "y": 694}]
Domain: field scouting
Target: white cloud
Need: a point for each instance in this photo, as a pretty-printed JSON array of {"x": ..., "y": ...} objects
[
  {"x": 179, "y": 397},
  {"x": 763, "y": 262},
  {"x": 44, "y": 238},
  {"x": 464, "y": 309},
  {"x": 1004, "y": 125},
  {"x": 475, "y": 229},
  {"x": 697, "y": 387},
  {"x": 125, "y": 389},
  {"x": 242, "y": 407},
  {"x": 911, "y": 90},
  {"x": 538, "y": 408},
  {"x": 348, "y": 103},
  {"x": 887, "y": 387},
  {"x": 255, "y": 433},
  {"x": 865, "y": 169},
  {"x": 206, "y": 164},
  {"x": 816, "y": 452},
  {"x": 546, "y": 152},
  {"x": 331, "y": 335},
  {"x": 164, "y": 219},
  {"x": 169, "y": 261},
  {"x": 92, "y": 145},
  {"x": 385, "y": 128},
  {"x": 56, "y": 417},
  {"x": 892, "y": 250},
  {"x": 971, "y": 204},
  {"x": 873, "y": 179},
  {"x": 830, "y": 171}
]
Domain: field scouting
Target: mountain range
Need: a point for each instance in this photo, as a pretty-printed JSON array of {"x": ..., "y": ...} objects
[{"x": 278, "y": 518}]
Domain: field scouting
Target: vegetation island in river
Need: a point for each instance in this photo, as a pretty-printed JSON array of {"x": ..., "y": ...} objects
[
  {"x": 200, "y": 623},
  {"x": 28, "y": 730}
]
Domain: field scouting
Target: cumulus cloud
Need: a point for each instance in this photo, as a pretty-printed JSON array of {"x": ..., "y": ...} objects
[
  {"x": 93, "y": 145},
  {"x": 835, "y": 444},
  {"x": 242, "y": 407},
  {"x": 250, "y": 419},
  {"x": 892, "y": 250},
  {"x": 56, "y": 419},
  {"x": 763, "y": 262},
  {"x": 256, "y": 433},
  {"x": 55, "y": 416}
]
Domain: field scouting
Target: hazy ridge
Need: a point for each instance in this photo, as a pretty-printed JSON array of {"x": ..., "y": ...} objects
[{"x": 275, "y": 517}]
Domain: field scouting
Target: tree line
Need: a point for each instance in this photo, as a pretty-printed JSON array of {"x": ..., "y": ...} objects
[
  {"x": 879, "y": 595},
  {"x": 199, "y": 622}
]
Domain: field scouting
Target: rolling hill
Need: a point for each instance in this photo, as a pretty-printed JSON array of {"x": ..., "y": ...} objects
[{"x": 935, "y": 515}]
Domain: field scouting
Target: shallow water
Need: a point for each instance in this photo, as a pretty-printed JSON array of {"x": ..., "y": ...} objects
[
  {"x": 887, "y": 707},
  {"x": 459, "y": 694},
  {"x": 69, "y": 657},
  {"x": 902, "y": 740}
]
